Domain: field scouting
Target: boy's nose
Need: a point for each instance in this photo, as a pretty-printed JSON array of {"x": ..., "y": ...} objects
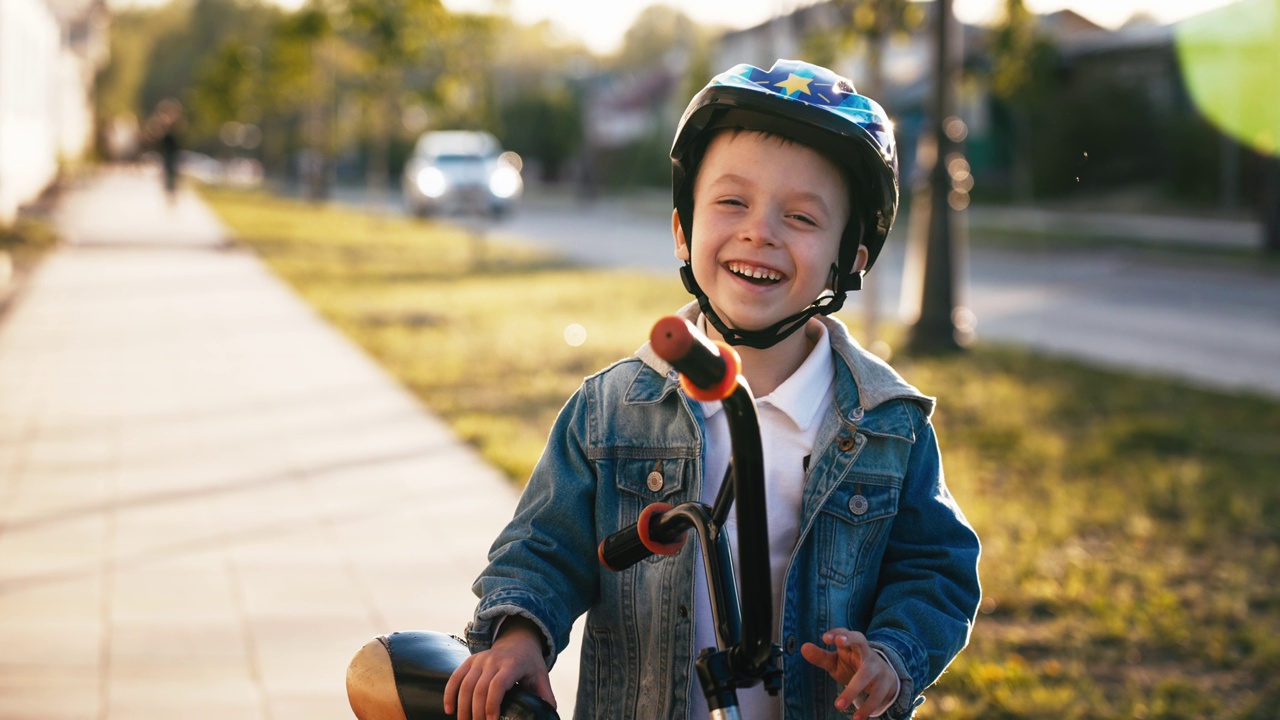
[{"x": 760, "y": 228}]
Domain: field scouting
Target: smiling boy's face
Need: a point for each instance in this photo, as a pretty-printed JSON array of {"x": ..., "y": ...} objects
[{"x": 767, "y": 222}]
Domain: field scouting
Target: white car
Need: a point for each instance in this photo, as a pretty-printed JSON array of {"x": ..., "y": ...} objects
[{"x": 461, "y": 172}]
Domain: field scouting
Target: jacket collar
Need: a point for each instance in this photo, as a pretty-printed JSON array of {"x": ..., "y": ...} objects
[{"x": 875, "y": 381}]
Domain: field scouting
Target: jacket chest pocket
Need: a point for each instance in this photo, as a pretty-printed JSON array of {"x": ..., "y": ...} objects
[
  {"x": 648, "y": 480},
  {"x": 853, "y": 525},
  {"x": 642, "y": 482}
]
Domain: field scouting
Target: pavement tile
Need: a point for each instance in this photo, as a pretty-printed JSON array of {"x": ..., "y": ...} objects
[
  {"x": 63, "y": 693},
  {"x": 178, "y": 645},
  {"x": 50, "y": 644},
  {"x": 317, "y": 707},
  {"x": 187, "y": 588},
  {"x": 50, "y": 545}
]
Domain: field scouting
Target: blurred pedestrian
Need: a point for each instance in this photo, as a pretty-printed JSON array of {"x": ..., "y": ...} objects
[{"x": 165, "y": 127}]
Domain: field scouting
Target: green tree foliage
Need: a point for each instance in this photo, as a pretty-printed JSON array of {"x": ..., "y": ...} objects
[
  {"x": 134, "y": 32},
  {"x": 668, "y": 54},
  {"x": 544, "y": 126},
  {"x": 225, "y": 87},
  {"x": 871, "y": 23},
  {"x": 189, "y": 51},
  {"x": 352, "y": 82},
  {"x": 1013, "y": 43},
  {"x": 176, "y": 58},
  {"x": 658, "y": 32},
  {"x": 1022, "y": 81},
  {"x": 302, "y": 70},
  {"x": 416, "y": 48},
  {"x": 537, "y": 94}
]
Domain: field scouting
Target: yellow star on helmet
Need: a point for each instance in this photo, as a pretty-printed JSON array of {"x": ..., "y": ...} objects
[{"x": 794, "y": 83}]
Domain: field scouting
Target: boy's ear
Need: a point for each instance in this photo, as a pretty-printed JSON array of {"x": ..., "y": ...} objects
[
  {"x": 677, "y": 231},
  {"x": 861, "y": 261}
]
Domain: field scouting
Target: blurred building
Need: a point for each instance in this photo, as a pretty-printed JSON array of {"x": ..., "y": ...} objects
[
  {"x": 50, "y": 51},
  {"x": 1138, "y": 57}
]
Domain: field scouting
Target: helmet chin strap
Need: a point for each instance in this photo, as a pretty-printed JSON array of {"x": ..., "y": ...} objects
[{"x": 779, "y": 331}]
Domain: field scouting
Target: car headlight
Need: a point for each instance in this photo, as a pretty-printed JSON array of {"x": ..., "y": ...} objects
[
  {"x": 505, "y": 182},
  {"x": 432, "y": 182}
]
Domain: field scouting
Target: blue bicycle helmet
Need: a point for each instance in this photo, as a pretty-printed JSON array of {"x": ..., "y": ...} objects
[{"x": 813, "y": 106}]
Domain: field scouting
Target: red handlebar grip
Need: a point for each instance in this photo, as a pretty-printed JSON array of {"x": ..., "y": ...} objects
[
  {"x": 634, "y": 543},
  {"x": 645, "y": 526},
  {"x": 727, "y": 384},
  {"x": 708, "y": 370},
  {"x": 671, "y": 338}
]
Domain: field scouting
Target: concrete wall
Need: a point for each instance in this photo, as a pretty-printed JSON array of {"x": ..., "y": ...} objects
[{"x": 32, "y": 81}]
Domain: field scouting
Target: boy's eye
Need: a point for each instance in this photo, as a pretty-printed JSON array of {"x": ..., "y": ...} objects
[{"x": 807, "y": 220}]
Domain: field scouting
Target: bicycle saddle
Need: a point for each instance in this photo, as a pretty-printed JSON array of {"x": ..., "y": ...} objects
[{"x": 401, "y": 676}]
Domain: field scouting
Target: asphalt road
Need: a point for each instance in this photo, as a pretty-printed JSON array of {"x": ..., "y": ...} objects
[{"x": 1207, "y": 319}]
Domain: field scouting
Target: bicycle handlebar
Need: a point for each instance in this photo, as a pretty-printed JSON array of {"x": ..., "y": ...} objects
[
  {"x": 647, "y": 537},
  {"x": 708, "y": 372}
]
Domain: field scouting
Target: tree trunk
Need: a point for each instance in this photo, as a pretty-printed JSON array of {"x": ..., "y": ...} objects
[
  {"x": 316, "y": 166},
  {"x": 379, "y": 150},
  {"x": 871, "y": 286},
  {"x": 935, "y": 330}
]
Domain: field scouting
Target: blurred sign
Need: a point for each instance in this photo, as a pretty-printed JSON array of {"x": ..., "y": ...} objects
[{"x": 1231, "y": 62}]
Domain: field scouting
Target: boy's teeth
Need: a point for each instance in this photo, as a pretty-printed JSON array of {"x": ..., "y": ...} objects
[{"x": 754, "y": 272}]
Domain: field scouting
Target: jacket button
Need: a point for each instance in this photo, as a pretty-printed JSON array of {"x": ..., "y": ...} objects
[
  {"x": 684, "y": 611},
  {"x": 857, "y": 414},
  {"x": 791, "y": 644},
  {"x": 858, "y": 505},
  {"x": 845, "y": 443},
  {"x": 654, "y": 481}
]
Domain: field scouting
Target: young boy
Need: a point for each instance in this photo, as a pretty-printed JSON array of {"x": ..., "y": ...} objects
[{"x": 785, "y": 186}]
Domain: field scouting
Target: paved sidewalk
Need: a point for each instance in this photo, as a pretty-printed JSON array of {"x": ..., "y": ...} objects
[{"x": 209, "y": 499}]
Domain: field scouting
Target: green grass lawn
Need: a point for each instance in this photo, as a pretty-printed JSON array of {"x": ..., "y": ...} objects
[{"x": 1131, "y": 563}]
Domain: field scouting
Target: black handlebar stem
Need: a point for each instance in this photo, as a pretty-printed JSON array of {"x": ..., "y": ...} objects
[
  {"x": 742, "y": 612},
  {"x": 754, "y": 650}
]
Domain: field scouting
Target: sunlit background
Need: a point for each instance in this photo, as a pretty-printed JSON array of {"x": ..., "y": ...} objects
[{"x": 291, "y": 293}]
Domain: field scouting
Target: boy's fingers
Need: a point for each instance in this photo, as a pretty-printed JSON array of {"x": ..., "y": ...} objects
[
  {"x": 853, "y": 648},
  {"x": 466, "y": 690},
  {"x": 479, "y": 698},
  {"x": 541, "y": 686},
  {"x": 818, "y": 657},
  {"x": 873, "y": 699},
  {"x": 855, "y": 691},
  {"x": 496, "y": 691},
  {"x": 452, "y": 688},
  {"x": 870, "y": 689}
]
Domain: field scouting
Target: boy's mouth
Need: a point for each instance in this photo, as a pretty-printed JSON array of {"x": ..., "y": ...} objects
[{"x": 754, "y": 274}]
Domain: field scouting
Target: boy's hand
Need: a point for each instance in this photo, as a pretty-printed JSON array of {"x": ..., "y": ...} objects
[
  {"x": 476, "y": 688},
  {"x": 870, "y": 682}
]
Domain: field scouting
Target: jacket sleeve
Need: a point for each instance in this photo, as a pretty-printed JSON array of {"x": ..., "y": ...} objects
[
  {"x": 929, "y": 590},
  {"x": 543, "y": 565}
]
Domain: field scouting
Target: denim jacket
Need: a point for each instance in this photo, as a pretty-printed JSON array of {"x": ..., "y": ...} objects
[{"x": 883, "y": 548}]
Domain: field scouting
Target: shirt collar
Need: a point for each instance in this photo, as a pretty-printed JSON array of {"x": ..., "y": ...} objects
[{"x": 801, "y": 396}]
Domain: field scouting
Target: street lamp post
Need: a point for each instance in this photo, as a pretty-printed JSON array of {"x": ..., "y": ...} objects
[{"x": 935, "y": 329}]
